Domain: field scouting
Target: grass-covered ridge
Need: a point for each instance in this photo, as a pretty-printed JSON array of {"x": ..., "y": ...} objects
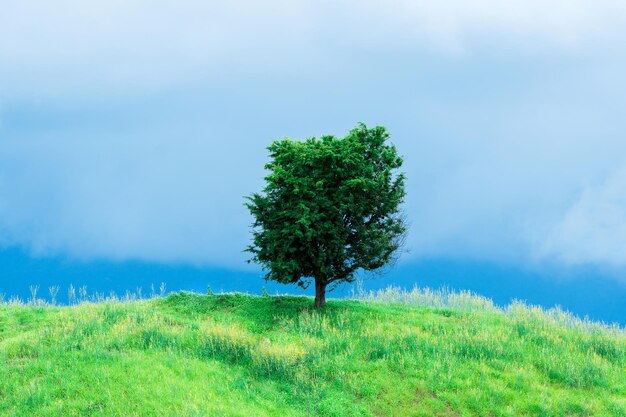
[{"x": 397, "y": 353}]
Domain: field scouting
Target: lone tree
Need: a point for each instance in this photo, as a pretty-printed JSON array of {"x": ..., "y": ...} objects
[{"x": 329, "y": 208}]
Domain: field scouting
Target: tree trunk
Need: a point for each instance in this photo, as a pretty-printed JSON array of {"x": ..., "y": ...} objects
[{"x": 320, "y": 293}]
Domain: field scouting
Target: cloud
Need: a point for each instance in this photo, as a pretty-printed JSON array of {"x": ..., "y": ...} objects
[
  {"x": 592, "y": 229},
  {"x": 123, "y": 197},
  {"x": 503, "y": 166},
  {"x": 117, "y": 48},
  {"x": 132, "y": 130}
]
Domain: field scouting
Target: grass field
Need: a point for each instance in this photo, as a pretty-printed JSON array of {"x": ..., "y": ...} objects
[{"x": 394, "y": 353}]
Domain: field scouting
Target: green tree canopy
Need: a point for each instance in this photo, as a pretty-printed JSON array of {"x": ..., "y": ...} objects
[{"x": 330, "y": 207}]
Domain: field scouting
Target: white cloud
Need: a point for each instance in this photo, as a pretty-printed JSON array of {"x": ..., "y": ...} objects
[
  {"x": 593, "y": 228},
  {"x": 503, "y": 168},
  {"x": 71, "y": 47},
  {"x": 140, "y": 125},
  {"x": 125, "y": 196}
]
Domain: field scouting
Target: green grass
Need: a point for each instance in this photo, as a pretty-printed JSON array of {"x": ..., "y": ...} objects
[{"x": 394, "y": 353}]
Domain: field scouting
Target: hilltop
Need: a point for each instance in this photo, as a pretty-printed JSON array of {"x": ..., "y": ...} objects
[{"x": 418, "y": 353}]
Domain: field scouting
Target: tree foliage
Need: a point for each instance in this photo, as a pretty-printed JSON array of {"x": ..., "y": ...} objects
[{"x": 330, "y": 207}]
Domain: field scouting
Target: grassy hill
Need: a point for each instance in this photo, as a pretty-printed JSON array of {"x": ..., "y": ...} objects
[{"x": 416, "y": 353}]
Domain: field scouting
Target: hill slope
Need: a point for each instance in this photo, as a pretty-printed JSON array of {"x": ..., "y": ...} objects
[{"x": 240, "y": 355}]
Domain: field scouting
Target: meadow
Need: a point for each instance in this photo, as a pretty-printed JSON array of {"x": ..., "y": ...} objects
[{"x": 389, "y": 353}]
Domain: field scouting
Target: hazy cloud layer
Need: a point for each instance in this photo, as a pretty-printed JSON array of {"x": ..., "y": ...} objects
[
  {"x": 132, "y": 130},
  {"x": 101, "y": 48},
  {"x": 592, "y": 229}
]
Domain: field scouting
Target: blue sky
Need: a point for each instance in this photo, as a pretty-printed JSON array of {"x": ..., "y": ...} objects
[{"x": 131, "y": 132}]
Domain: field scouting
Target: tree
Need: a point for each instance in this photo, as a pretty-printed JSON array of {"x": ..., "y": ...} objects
[{"x": 330, "y": 207}]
